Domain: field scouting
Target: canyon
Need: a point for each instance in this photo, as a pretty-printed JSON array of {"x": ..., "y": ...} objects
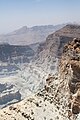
[{"x": 49, "y": 83}]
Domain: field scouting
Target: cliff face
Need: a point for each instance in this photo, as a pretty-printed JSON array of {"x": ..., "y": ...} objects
[
  {"x": 14, "y": 53},
  {"x": 55, "y": 42},
  {"x": 11, "y": 56},
  {"x": 69, "y": 31},
  {"x": 51, "y": 50},
  {"x": 70, "y": 72}
]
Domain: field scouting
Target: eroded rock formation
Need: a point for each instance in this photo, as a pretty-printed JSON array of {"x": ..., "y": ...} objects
[{"x": 70, "y": 70}]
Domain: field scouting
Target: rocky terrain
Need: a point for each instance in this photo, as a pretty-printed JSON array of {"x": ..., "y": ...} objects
[
  {"x": 50, "y": 51},
  {"x": 12, "y": 56},
  {"x": 15, "y": 53},
  {"x": 8, "y": 93},
  {"x": 70, "y": 73},
  {"x": 53, "y": 46},
  {"x": 16, "y": 57},
  {"x": 50, "y": 82},
  {"x": 60, "y": 97}
]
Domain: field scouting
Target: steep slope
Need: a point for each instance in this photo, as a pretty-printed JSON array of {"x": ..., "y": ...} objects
[
  {"x": 26, "y": 36},
  {"x": 55, "y": 42},
  {"x": 70, "y": 73},
  {"x": 33, "y": 108},
  {"x": 51, "y": 50}
]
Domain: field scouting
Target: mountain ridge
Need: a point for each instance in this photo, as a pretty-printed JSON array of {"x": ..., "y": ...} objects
[{"x": 26, "y": 36}]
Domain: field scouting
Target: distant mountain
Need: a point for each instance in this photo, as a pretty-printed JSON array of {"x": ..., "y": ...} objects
[{"x": 26, "y": 36}]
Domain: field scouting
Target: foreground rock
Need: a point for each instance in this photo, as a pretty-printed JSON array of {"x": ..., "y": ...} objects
[
  {"x": 70, "y": 72},
  {"x": 32, "y": 108}
]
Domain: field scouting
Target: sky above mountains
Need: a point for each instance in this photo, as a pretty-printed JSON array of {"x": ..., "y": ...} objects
[{"x": 17, "y": 13}]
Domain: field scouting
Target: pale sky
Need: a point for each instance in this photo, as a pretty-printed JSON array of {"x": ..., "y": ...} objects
[{"x": 17, "y": 13}]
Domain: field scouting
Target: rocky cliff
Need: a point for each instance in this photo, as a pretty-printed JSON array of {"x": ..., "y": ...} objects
[
  {"x": 60, "y": 97},
  {"x": 55, "y": 42},
  {"x": 70, "y": 72},
  {"x": 51, "y": 50}
]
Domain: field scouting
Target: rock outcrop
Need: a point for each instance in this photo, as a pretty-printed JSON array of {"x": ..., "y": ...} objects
[{"x": 70, "y": 71}]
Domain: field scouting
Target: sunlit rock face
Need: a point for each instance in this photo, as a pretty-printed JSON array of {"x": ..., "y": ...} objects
[{"x": 70, "y": 70}]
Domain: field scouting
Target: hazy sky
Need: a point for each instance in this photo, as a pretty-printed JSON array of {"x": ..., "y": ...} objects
[{"x": 17, "y": 13}]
